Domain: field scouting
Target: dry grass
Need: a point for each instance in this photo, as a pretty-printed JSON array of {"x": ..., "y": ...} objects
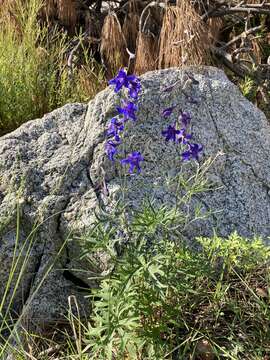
[
  {"x": 184, "y": 37},
  {"x": 147, "y": 53},
  {"x": 131, "y": 29},
  {"x": 113, "y": 45},
  {"x": 148, "y": 39},
  {"x": 8, "y": 18},
  {"x": 91, "y": 80},
  {"x": 49, "y": 9},
  {"x": 257, "y": 50},
  {"x": 93, "y": 25},
  {"x": 67, "y": 13},
  {"x": 131, "y": 25},
  {"x": 34, "y": 77},
  {"x": 133, "y": 6},
  {"x": 215, "y": 26}
]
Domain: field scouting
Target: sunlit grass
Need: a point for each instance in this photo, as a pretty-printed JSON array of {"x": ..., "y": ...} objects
[{"x": 34, "y": 77}]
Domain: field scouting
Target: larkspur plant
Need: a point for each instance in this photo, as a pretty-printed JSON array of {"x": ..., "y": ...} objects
[
  {"x": 134, "y": 161},
  {"x": 168, "y": 111},
  {"x": 181, "y": 136},
  {"x": 115, "y": 127},
  {"x": 126, "y": 112}
]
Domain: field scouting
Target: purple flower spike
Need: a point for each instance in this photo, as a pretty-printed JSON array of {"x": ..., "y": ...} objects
[
  {"x": 128, "y": 110},
  {"x": 183, "y": 137},
  {"x": 167, "y": 112},
  {"x": 193, "y": 152},
  {"x": 124, "y": 80},
  {"x": 121, "y": 80},
  {"x": 111, "y": 149},
  {"x": 185, "y": 118},
  {"x": 134, "y": 88},
  {"x": 170, "y": 133},
  {"x": 133, "y": 160},
  {"x": 114, "y": 128}
]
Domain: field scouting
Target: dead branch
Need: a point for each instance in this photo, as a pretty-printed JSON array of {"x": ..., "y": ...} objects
[
  {"x": 236, "y": 10},
  {"x": 260, "y": 75},
  {"x": 227, "y": 61},
  {"x": 243, "y": 35}
]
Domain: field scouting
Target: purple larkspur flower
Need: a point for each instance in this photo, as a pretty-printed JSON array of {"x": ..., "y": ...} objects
[
  {"x": 170, "y": 133},
  {"x": 183, "y": 137},
  {"x": 168, "y": 111},
  {"x": 134, "y": 88},
  {"x": 185, "y": 118},
  {"x": 128, "y": 110},
  {"x": 114, "y": 128},
  {"x": 192, "y": 152},
  {"x": 121, "y": 79},
  {"x": 133, "y": 160},
  {"x": 111, "y": 149}
]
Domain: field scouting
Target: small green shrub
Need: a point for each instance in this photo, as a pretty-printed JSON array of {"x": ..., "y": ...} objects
[
  {"x": 248, "y": 88},
  {"x": 164, "y": 299}
]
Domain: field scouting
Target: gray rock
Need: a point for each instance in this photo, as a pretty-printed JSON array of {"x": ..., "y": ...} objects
[{"x": 52, "y": 170}]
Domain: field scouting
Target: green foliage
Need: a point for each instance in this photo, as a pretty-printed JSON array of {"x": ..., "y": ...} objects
[
  {"x": 11, "y": 329},
  {"x": 34, "y": 76},
  {"x": 159, "y": 298},
  {"x": 235, "y": 252},
  {"x": 248, "y": 88},
  {"x": 163, "y": 298}
]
